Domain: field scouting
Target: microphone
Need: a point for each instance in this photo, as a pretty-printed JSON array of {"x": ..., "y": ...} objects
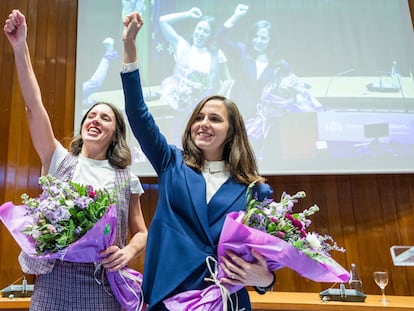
[
  {"x": 23, "y": 290},
  {"x": 391, "y": 85},
  {"x": 24, "y": 285},
  {"x": 342, "y": 73},
  {"x": 395, "y": 76}
]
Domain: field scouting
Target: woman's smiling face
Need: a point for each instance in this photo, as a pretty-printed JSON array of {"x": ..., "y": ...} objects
[
  {"x": 210, "y": 129},
  {"x": 202, "y": 33},
  {"x": 260, "y": 41},
  {"x": 99, "y": 126}
]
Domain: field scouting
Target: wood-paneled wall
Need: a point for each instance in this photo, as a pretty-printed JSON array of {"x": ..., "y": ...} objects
[{"x": 364, "y": 213}]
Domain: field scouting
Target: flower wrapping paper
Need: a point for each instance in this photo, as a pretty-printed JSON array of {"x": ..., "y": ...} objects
[
  {"x": 125, "y": 283},
  {"x": 240, "y": 239}
]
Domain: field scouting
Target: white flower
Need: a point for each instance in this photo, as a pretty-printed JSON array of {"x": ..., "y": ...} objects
[
  {"x": 313, "y": 240},
  {"x": 69, "y": 204},
  {"x": 35, "y": 233}
]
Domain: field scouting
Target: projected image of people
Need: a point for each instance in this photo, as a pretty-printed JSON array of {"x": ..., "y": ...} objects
[
  {"x": 319, "y": 90},
  {"x": 265, "y": 87},
  {"x": 200, "y": 67},
  {"x": 252, "y": 62}
]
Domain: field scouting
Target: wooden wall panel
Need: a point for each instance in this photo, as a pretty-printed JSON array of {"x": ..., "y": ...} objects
[
  {"x": 51, "y": 38},
  {"x": 366, "y": 214}
]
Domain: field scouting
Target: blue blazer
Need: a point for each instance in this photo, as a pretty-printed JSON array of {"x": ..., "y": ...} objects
[{"x": 184, "y": 229}]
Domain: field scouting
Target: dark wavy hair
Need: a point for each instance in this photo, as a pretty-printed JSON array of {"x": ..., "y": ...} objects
[
  {"x": 272, "y": 50},
  {"x": 118, "y": 153},
  {"x": 238, "y": 153}
]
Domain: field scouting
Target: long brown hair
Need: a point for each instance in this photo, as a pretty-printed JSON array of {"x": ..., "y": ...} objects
[
  {"x": 238, "y": 153},
  {"x": 118, "y": 153},
  {"x": 272, "y": 50}
]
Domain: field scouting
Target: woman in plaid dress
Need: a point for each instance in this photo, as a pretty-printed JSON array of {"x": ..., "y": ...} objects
[{"x": 98, "y": 156}]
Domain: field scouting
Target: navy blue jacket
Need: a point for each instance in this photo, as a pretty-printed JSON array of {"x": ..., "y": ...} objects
[{"x": 184, "y": 229}]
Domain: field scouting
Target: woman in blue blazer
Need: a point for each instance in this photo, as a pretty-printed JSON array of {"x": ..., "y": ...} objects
[{"x": 198, "y": 187}]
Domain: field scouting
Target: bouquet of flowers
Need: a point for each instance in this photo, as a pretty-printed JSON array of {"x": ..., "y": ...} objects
[
  {"x": 185, "y": 88},
  {"x": 63, "y": 213},
  {"x": 278, "y": 219},
  {"x": 71, "y": 222},
  {"x": 288, "y": 93},
  {"x": 278, "y": 234}
]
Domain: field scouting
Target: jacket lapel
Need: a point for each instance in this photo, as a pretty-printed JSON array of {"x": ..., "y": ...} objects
[
  {"x": 220, "y": 204},
  {"x": 196, "y": 186},
  {"x": 223, "y": 201}
]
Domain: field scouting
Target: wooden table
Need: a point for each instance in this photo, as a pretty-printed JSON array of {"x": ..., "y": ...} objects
[
  {"x": 283, "y": 301},
  {"x": 311, "y": 301},
  {"x": 7, "y": 304}
]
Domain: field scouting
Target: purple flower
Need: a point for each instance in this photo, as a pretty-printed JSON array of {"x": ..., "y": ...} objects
[
  {"x": 51, "y": 228},
  {"x": 280, "y": 234},
  {"x": 83, "y": 202},
  {"x": 258, "y": 221},
  {"x": 91, "y": 192},
  {"x": 290, "y": 217},
  {"x": 59, "y": 213},
  {"x": 274, "y": 219},
  {"x": 297, "y": 223}
]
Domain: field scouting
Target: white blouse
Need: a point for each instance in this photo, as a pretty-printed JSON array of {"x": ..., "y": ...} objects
[
  {"x": 215, "y": 173},
  {"x": 97, "y": 173}
]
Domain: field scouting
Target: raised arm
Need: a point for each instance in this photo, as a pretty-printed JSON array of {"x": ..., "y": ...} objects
[
  {"x": 223, "y": 37},
  {"x": 166, "y": 22},
  {"x": 143, "y": 126},
  {"x": 41, "y": 131},
  {"x": 132, "y": 25},
  {"x": 239, "y": 12}
]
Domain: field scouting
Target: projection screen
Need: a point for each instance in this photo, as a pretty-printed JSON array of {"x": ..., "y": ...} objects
[{"x": 331, "y": 91}]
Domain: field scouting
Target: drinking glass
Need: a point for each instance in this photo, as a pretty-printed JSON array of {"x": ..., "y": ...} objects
[{"x": 381, "y": 278}]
